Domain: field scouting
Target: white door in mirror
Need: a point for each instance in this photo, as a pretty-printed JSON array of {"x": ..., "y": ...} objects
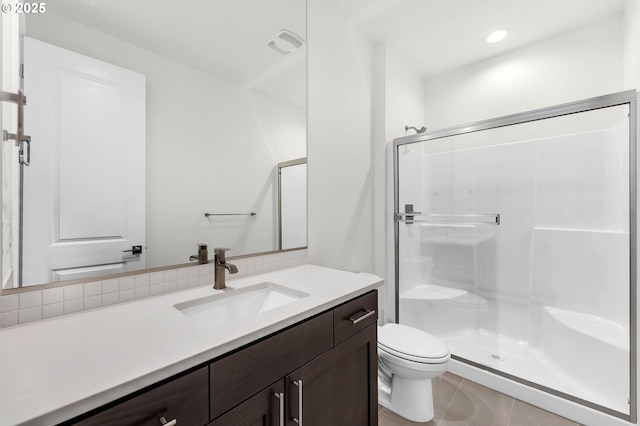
[{"x": 84, "y": 191}]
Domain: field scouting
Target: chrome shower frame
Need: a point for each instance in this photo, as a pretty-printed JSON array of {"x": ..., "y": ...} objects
[{"x": 629, "y": 98}]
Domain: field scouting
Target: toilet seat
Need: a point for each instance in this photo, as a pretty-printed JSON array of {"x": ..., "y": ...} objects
[{"x": 411, "y": 344}]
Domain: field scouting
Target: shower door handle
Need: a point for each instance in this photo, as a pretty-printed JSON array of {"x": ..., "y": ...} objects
[{"x": 409, "y": 213}]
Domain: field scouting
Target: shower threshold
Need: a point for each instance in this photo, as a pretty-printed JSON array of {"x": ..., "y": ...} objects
[{"x": 517, "y": 358}]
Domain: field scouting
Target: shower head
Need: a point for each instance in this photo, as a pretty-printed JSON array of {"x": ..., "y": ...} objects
[{"x": 421, "y": 130}]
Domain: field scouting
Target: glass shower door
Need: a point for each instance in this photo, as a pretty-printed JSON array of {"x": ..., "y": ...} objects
[
  {"x": 447, "y": 225},
  {"x": 515, "y": 245},
  {"x": 565, "y": 255}
]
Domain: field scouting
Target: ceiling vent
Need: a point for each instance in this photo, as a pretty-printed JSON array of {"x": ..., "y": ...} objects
[{"x": 285, "y": 42}]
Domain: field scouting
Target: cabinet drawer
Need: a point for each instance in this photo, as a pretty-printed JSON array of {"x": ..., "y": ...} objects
[
  {"x": 184, "y": 399},
  {"x": 240, "y": 375},
  {"x": 355, "y": 315}
]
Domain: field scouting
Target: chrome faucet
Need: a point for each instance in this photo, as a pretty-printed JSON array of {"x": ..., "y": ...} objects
[{"x": 220, "y": 264}]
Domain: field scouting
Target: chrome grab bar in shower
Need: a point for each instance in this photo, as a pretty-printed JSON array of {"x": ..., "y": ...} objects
[{"x": 448, "y": 219}]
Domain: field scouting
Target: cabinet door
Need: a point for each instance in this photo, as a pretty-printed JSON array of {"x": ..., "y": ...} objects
[
  {"x": 240, "y": 375},
  {"x": 264, "y": 409},
  {"x": 339, "y": 388}
]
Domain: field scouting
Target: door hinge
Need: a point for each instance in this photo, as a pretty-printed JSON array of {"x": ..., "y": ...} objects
[{"x": 21, "y": 71}]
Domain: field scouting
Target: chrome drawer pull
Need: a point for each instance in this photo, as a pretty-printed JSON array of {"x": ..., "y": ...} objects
[
  {"x": 298, "y": 384},
  {"x": 164, "y": 422},
  {"x": 280, "y": 397},
  {"x": 367, "y": 314}
]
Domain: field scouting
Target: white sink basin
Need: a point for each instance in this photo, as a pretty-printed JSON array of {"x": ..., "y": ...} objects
[{"x": 235, "y": 304}]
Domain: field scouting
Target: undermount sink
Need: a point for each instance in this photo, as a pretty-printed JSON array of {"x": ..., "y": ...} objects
[{"x": 235, "y": 304}]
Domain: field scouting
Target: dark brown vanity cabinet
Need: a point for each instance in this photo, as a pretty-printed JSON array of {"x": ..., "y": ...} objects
[
  {"x": 319, "y": 372},
  {"x": 327, "y": 366},
  {"x": 184, "y": 398},
  {"x": 339, "y": 387}
]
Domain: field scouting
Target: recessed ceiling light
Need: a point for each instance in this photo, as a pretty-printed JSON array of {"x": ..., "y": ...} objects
[{"x": 497, "y": 35}]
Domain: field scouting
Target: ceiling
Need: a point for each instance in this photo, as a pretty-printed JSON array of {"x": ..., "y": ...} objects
[
  {"x": 228, "y": 38},
  {"x": 440, "y": 35},
  {"x": 222, "y": 37}
]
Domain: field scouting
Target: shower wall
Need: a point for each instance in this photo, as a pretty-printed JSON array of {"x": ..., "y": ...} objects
[{"x": 563, "y": 210}]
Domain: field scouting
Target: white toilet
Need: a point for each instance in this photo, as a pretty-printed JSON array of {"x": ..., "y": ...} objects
[{"x": 408, "y": 359}]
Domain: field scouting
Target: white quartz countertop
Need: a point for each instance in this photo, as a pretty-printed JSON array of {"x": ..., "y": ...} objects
[{"x": 54, "y": 370}]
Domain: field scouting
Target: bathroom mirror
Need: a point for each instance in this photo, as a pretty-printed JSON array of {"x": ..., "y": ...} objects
[{"x": 164, "y": 125}]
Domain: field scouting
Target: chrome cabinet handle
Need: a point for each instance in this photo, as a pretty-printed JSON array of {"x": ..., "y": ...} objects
[
  {"x": 298, "y": 384},
  {"x": 280, "y": 397},
  {"x": 164, "y": 422},
  {"x": 363, "y": 317}
]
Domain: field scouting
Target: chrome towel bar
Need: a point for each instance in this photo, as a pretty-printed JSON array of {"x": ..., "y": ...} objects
[
  {"x": 462, "y": 219},
  {"x": 230, "y": 214}
]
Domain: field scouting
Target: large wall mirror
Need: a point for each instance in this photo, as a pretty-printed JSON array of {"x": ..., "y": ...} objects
[{"x": 154, "y": 126}]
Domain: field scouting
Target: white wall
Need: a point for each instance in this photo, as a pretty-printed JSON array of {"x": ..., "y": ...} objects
[
  {"x": 398, "y": 102},
  {"x": 200, "y": 128},
  {"x": 632, "y": 45},
  {"x": 404, "y": 103},
  {"x": 575, "y": 65},
  {"x": 340, "y": 95}
]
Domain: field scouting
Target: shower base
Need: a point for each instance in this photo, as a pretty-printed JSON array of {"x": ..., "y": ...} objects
[{"x": 518, "y": 358}]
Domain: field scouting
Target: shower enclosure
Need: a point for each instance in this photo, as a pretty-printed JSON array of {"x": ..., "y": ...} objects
[{"x": 515, "y": 244}]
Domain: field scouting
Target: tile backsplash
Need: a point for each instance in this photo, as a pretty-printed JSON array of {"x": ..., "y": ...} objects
[{"x": 37, "y": 305}]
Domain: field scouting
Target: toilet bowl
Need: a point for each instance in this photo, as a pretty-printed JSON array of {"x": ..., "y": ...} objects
[{"x": 408, "y": 359}]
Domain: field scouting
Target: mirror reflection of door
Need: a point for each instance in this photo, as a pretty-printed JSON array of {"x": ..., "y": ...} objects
[
  {"x": 292, "y": 204},
  {"x": 84, "y": 191}
]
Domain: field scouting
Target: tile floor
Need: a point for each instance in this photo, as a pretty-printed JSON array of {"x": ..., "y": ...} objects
[{"x": 460, "y": 402}]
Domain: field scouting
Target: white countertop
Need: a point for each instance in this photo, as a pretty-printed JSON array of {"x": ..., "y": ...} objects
[{"x": 54, "y": 370}]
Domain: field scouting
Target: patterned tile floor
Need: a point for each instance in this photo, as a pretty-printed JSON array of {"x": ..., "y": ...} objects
[{"x": 460, "y": 402}]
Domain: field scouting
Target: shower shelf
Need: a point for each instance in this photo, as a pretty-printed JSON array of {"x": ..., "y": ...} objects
[{"x": 458, "y": 240}]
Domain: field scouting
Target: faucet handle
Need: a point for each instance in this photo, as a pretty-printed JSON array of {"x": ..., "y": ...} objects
[{"x": 219, "y": 250}]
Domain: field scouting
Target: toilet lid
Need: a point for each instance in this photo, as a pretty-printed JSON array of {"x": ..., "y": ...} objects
[{"x": 411, "y": 343}]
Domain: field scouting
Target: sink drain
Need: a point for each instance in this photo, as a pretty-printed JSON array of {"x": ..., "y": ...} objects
[{"x": 495, "y": 357}]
